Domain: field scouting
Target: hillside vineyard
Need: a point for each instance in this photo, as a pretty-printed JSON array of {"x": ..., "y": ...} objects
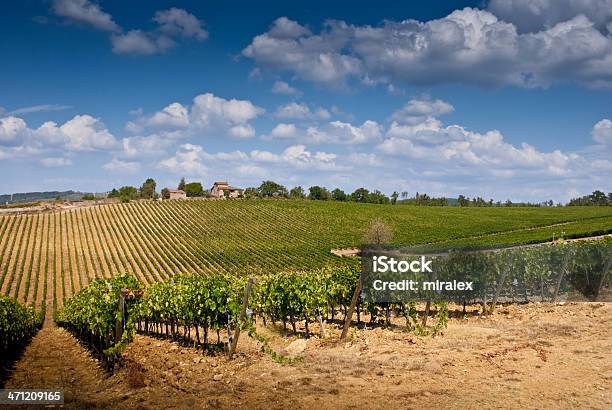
[{"x": 51, "y": 256}]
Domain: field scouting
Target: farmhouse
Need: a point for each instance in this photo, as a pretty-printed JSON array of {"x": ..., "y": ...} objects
[
  {"x": 221, "y": 189},
  {"x": 177, "y": 194}
]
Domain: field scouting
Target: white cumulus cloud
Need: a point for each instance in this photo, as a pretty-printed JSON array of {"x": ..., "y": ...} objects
[
  {"x": 138, "y": 42},
  {"x": 122, "y": 167},
  {"x": 85, "y": 12},
  {"x": 81, "y": 133},
  {"x": 535, "y": 15},
  {"x": 178, "y": 22},
  {"x": 602, "y": 132},
  {"x": 469, "y": 46},
  {"x": 207, "y": 115},
  {"x": 10, "y": 128},
  {"x": 281, "y": 87}
]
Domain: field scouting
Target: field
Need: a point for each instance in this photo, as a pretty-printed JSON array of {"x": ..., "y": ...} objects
[
  {"x": 47, "y": 257},
  {"x": 538, "y": 355}
]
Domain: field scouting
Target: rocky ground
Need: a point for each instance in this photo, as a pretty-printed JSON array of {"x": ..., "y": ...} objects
[{"x": 528, "y": 356}]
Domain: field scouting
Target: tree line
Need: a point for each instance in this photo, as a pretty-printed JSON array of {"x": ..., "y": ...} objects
[
  {"x": 191, "y": 189},
  {"x": 148, "y": 191},
  {"x": 271, "y": 189},
  {"x": 597, "y": 198}
]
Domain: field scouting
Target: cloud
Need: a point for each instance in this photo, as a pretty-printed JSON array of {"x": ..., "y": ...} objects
[
  {"x": 10, "y": 128},
  {"x": 208, "y": 115},
  {"x": 334, "y": 132},
  {"x": 138, "y": 42},
  {"x": 338, "y": 132},
  {"x": 19, "y": 152},
  {"x": 172, "y": 24},
  {"x": 39, "y": 108},
  {"x": 423, "y": 138},
  {"x": 468, "y": 46},
  {"x": 602, "y": 132},
  {"x": 367, "y": 159},
  {"x": 289, "y": 46},
  {"x": 418, "y": 109},
  {"x": 188, "y": 160},
  {"x": 211, "y": 113},
  {"x": 192, "y": 160},
  {"x": 281, "y": 87},
  {"x": 174, "y": 115},
  {"x": 180, "y": 23},
  {"x": 121, "y": 167},
  {"x": 85, "y": 12},
  {"x": 144, "y": 146},
  {"x": 54, "y": 162},
  {"x": 535, "y": 15},
  {"x": 286, "y": 29},
  {"x": 299, "y": 157},
  {"x": 284, "y": 131},
  {"x": 301, "y": 111},
  {"x": 81, "y": 133}
]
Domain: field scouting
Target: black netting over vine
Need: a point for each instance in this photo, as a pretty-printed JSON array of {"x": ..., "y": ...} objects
[{"x": 577, "y": 270}]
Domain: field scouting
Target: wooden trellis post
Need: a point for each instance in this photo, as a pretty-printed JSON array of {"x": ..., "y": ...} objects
[
  {"x": 349, "y": 315},
  {"x": 241, "y": 318}
]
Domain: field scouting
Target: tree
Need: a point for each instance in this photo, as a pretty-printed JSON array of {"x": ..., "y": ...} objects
[
  {"x": 269, "y": 189},
  {"x": 127, "y": 193},
  {"x": 113, "y": 194},
  {"x": 88, "y": 197},
  {"x": 360, "y": 195},
  {"x": 165, "y": 193},
  {"x": 297, "y": 192},
  {"x": 318, "y": 193},
  {"x": 378, "y": 233},
  {"x": 339, "y": 195},
  {"x": 181, "y": 184},
  {"x": 147, "y": 190},
  {"x": 598, "y": 198},
  {"x": 194, "y": 189},
  {"x": 250, "y": 192},
  {"x": 394, "y": 197},
  {"x": 378, "y": 197},
  {"x": 463, "y": 201}
]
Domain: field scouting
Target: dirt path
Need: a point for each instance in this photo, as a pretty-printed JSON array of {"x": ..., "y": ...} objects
[{"x": 54, "y": 359}]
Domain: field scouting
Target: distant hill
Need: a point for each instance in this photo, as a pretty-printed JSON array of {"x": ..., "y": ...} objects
[{"x": 44, "y": 196}]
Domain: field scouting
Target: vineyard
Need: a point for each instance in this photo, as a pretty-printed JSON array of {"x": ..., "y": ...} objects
[
  {"x": 48, "y": 257},
  {"x": 188, "y": 308}
]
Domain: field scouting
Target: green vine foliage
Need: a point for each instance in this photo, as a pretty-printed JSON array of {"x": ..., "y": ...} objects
[
  {"x": 297, "y": 295},
  {"x": 18, "y": 323},
  {"x": 91, "y": 314},
  {"x": 190, "y": 301}
]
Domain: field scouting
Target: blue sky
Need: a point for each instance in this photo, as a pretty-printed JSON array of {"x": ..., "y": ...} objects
[{"x": 502, "y": 99}]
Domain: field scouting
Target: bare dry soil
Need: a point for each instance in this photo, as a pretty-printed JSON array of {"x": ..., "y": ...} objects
[{"x": 530, "y": 356}]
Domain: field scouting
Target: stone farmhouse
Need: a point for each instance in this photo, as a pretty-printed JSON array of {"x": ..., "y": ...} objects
[
  {"x": 177, "y": 194},
  {"x": 221, "y": 189}
]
